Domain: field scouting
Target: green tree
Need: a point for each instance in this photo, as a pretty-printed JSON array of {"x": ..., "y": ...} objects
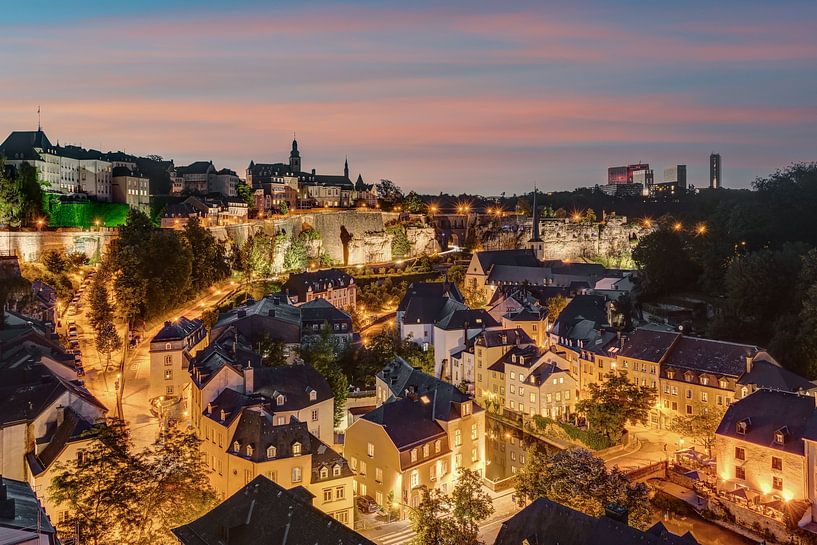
[
  {"x": 296, "y": 257},
  {"x": 108, "y": 341},
  {"x": 470, "y": 505},
  {"x": 400, "y": 245},
  {"x": 99, "y": 303},
  {"x": 21, "y": 196},
  {"x": 456, "y": 274},
  {"x": 614, "y": 402},
  {"x": 245, "y": 193},
  {"x": 272, "y": 352},
  {"x": 54, "y": 262},
  {"x": 389, "y": 194},
  {"x": 590, "y": 215},
  {"x": 431, "y": 521},
  {"x": 209, "y": 260},
  {"x": 283, "y": 208},
  {"x": 322, "y": 354},
  {"x": 699, "y": 426},
  {"x": 413, "y": 204},
  {"x": 532, "y": 480},
  {"x": 664, "y": 258}
]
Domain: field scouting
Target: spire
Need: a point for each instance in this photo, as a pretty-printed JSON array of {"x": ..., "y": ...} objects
[
  {"x": 535, "y": 230},
  {"x": 39, "y": 120},
  {"x": 346, "y": 167}
]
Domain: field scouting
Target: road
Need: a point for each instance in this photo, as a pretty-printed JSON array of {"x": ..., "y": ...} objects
[{"x": 101, "y": 379}]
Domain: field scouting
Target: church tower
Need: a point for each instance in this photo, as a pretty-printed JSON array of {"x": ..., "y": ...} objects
[
  {"x": 346, "y": 168},
  {"x": 535, "y": 243},
  {"x": 295, "y": 158}
]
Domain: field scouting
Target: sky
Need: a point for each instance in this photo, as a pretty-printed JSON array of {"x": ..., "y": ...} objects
[{"x": 477, "y": 97}]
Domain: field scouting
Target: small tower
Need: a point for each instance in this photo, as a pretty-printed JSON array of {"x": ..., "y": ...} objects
[
  {"x": 535, "y": 243},
  {"x": 346, "y": 167},
  {"x": 295, "y": 158}
]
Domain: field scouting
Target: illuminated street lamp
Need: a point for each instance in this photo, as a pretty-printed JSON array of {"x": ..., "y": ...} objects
[
  {"x": 701, "y": 229},
  {"x": 647, "y": 222},
  {"x": 432, "y": 208},
  {"x": 677, "y": 226}
]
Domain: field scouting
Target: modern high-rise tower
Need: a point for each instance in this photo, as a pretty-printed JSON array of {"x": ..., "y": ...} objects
[{"x": 715, "y": 180}]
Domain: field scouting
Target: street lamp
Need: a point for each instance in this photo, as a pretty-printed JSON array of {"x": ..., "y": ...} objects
[
  {"x": 677, "y": 226},
  {"x": 701, "y": 229}
]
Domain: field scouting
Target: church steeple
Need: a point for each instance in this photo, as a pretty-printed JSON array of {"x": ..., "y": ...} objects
[
  {"x": 535, "y": 229},
  {"x": 346, "y": 167},
  {"x": 295, "y": 157}
]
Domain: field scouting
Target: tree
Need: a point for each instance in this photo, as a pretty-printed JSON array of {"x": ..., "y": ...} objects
[
  {"x": 475, "y": 297},
  {"x": 470, "y": 505},
  {"x": 615, "y": 402},
  {"x": 556, "y": 305},
  {"x": 322, "y": 354},
  {"x": 283, "y": 208},
  {"x": 388, "y": 193},
  {"x": 400, "y": 245},
  {"x": 108, "y": 341},
  {"x": 99, "y": 488},
  {"x": 699, "y": 426},
  {"x": 664, "y": 258},
  {"x": 174, "y": 487},
  {"x": 456, "y": 274},
  {"x": 430, "y": 520},
  {"x": 21, "y": 196},
  {"x": 413, "y": 203},
  {"x": 590, "y": 216},
  {"x": 209, "y": 260},
  {"x": 54, "y": 262},
  {"x": 245, "y": 193},
  {"x": 578, "y": 479},
  {"x": 272, "y": 352},
  {"x": 101, "y": 310}
]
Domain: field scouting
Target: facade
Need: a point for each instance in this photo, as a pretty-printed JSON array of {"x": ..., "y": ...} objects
[
  {"x": 224, "y": 182},
  {"x": 194, "y": 178},
  {"x": 131, "y": 188},
  {"x": 320, "y": 313},
  {"x": 422, "y": 432},
  {"x": 423, "y": 305},
  {"x": 170, "y": 352},
  {"x": 452, "y": 332},
  {"x": 485, "y": 348},
  {"x": 265, "y": 512},
  {"x": 483, "y": 262},
  {"x": 625, "y": 174},
  {"x": 334, "y": 285},
  {"x": 715, "y": 176}
]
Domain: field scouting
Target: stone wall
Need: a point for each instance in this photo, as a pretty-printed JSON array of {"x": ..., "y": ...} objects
[
  {"x": 565, "y": 239},
  {"x": 31, "y": 245}
]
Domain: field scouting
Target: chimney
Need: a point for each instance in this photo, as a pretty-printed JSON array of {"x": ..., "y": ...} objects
[
  {"x": 749, "y": 361},
  {"x": 313, "y": 172},
  {"x": 617, "y": 512},
  {"x": 249, "y": 376},
  {"x": 60, "y": 415},
  {"x": 167, "y": 323}
]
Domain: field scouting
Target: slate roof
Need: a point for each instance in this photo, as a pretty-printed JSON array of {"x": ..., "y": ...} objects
[
  {"x": 361, "y": 186},
  {"x": 178, "y": 330},
  {"x": 320, "y": 310},
  {"x": 648, "y": 345},
  {"x": 318, "y": 281},
  {"x": 22, "y": 144},
  {"x": 430, "y": 290},
  {"x": 527, "y": 314},
  {"x": 272, "y": 315},
  {"x": 402, "y": 379},
  {"x": 503, "y": 337},
  {"x": 519, "y": 258},
  {"x": 408, "y": 422},
  {"x": 466, "y": 318},
  {"x": 530, "y": 353},
  {"x": 527, "y": 294},
  {"x": 545, "y": 522},
  {"x": 197, "y": 167},
  {"x": 516, "y": 274},
  {"x": 707, "y": 355},
  {"x": 765, "y": 374},
  {"x": 542, "y": 373},
  {"x": 263, "y": 512},
  {"x": 28, "y": 514},
  {"x": 768, "y": 411},
  {"x": 72, "y": 428},
  {"x": 294, "y": 381},
  {"x": 582, "y": 308}
]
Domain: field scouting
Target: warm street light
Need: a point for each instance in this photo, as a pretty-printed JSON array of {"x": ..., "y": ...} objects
[
  {"x": 432, "y": 208},
  {"x": 678, "y": 226},
  {"x": 647, "y": 222},
  {"x": 701, "y": 229}
]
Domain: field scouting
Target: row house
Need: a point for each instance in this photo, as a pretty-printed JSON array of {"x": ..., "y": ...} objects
[
  {"x": 419, "y": 436},
  {"x": 488, "y": 349},
  {"x": 423, "y": 305},
  {"x": 333, "y": 285}
]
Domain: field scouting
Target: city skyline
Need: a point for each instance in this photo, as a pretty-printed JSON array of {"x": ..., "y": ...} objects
[{"x": 421, "y": 95}]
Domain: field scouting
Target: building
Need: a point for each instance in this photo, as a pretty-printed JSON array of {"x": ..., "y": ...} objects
[
  {"x": 423, "y": 305},
  {"x": 451, "y": 332},
  {"x": 273, "y": 197},
  {"x": 765, "y": 447},
  {"x": 23, "y": 521},
  {"x": 194, "y": 178},
  {"x": 482, "y": 264},
  {"x": 627, "y": 174},
  {"x": 170, "y": 352},
  {"x": 472, "y": 365},
  {"x": 130, "y": 187},
  {"x": 715, "y": 176},
  {"x": 539, "y": 384},
  {"x": 422, "y": 432},
  {"x": 264, "y": 512},
  {"x": 545, "y": 522},
  {"x": 224, "y": 182},
  {"x": 675, "y": 177},
  {"x": 320, "y": 313},
  {"x": 334, "y": 285},
  {"x": 272, "y": 317},
  {"x": 64, "y": 169}
]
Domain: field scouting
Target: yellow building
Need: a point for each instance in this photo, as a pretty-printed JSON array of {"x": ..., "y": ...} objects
[
  {"x": 170, "y": 352},
  {"x": 761, "y": 447},
  {"x": 489, "y": 347},
  {"x": 534, "y": 322},
  {"x": 422, "y": 432}
]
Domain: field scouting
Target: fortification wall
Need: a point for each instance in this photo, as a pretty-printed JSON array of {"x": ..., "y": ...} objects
[
  {"x": 565, "y": 239},
  {"x": 31, "y": 245}
]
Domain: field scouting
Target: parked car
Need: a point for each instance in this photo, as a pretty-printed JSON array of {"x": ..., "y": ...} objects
[{"x": 366, "y": 504}]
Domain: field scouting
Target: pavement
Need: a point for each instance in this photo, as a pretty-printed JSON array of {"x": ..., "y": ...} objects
[{"x": 650, "y": 446}]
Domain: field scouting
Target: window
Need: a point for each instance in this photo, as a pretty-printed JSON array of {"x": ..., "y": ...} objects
[
  {"x": 567, "y": 395},
  {"x": 474, "y": 454},
  {"x": 378, "y": 498},
  {"x": 236, "y": 446},
  {"x": 414, "y": 455},
  {"x": 296, "y": 474},
  {"x": 168, "y": 346},
  {"x": 324, "y": 473},
  {"x": 689, "y": 393},
  {"x": 378, "y": 475},
  {"x": 777, "y": 463},
  {"x": 341, "y": 516},
  {"x": 168, "y": 374},
  {"x": 370, "y": 450},
  {"x": 279, "y": 400},
  {"x": 705, "y": 397},
  {"x": 740, "y": 473},
  {"x": 415, "y": 479},
  {"x": 426, "y": 449},
  {"x": 362, "y": 468},
  {"x": 314, "y": 415},
  {"x": 271, "y": 451},
  {"x": 674, "y": 390},
  {"x": 340, "y": 492},
  {"x": 327, "y": 495},
  {"x": 689, "y": 409},
  {"x": 777, "y": 483},
  {"x": 169, "y": 390},
  {"x": 168, "y": 360},
  {"x": 704, "y": 381},
  {"x": 279, "y": 420},
  {"x": 740, "y": 453},
  {"x": 458, "y": 460},
  {"x": 513, "y": 389},
  {"x": 438, "y": 445},
  {"x": 336, "y": 471},
  {"x": 296, "y": 449},
  {"x": 249, "y": 450},
  {"x": 457, "y": 438},
  {"x": 353, "y": 463},
  {"x": 474, "y": 432}
]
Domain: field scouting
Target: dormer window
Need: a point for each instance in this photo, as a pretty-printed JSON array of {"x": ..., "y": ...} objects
[
  {"x": 271, "y": 452},
  {"x": 781, "y": 435},
  {"x": 209, "y": 408},
  {"x": 313, "y": 395},
  {"x": 236, "y": 446},
  {"x": 743, "y": 426},
  {"x": 279, "y": 400},
  {"x": 465, "y": 409},
  {"x": 296, "y": 449},
  {"x": 704, "y": 380},
  {"x": 249, "y": 450},
  {"x": 414, "y": 455},
  {"x": 222, "y": 415},
  {"x": 168, "y": 346},
  {"x": 670, "y": 375},
  {"x": 324, "y": 473},
  {"x": 336, "y": 470},
  {"x": 723, "y": 384}
]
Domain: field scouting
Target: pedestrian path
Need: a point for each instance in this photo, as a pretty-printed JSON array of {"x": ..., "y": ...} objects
[{"x": 396, "y": 538}]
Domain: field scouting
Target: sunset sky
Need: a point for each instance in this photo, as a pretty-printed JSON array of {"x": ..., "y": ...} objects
[{"x": 443, "y": 96}]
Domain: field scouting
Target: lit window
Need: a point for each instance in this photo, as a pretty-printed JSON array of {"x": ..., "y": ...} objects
[
  {"x": 370, "y": 450},
  {"x": 271, "y": 451},
  {"x": 296, "y": 449}
]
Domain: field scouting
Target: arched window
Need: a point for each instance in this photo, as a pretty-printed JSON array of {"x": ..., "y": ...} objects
[
  {"x": 336, "y": 471},
  {"x": 296, "y": 449},
  {"x": 313, "y": 395},
  {"x": 279, "y": 400},
  {"x": 271, "y": 451}
]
